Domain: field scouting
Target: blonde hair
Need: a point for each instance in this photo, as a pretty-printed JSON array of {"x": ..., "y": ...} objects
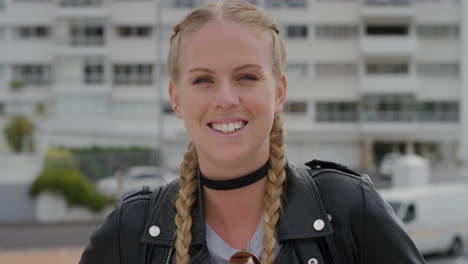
[
  {"x": 234, "y": 10},
  {"x": 247, "y": 14}
]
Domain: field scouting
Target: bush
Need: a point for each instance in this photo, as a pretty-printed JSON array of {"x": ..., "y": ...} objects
[
  {"x": 17, "y": 131},
  {"x": 59, "y": 158},
  {"x": 61, "y": 176}
]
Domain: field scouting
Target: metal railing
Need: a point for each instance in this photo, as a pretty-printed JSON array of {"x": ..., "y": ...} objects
[
  {"x": 80, "y": 3},
  {"x": 388, "y": 2}
]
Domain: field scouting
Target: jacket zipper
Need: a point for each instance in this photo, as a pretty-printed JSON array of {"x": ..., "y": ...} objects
[{"x": 169, "y": 255}]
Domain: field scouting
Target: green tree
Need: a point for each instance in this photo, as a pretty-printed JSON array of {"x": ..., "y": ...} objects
[
  {"x": 61, "y": 175},
  {"x": 19, "y": 134}
]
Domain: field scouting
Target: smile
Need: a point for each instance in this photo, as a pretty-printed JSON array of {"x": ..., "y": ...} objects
[{"x": 228, "y": 128}]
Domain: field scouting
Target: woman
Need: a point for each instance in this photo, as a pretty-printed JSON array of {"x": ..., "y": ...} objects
[{"x": 237, "y": 199}]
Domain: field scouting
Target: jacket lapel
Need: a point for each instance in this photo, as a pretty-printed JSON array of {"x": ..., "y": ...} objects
[{"x": 162, "y": 215}]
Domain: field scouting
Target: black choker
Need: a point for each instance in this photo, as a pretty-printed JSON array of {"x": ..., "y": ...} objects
[{"x": 236, "y": 183}]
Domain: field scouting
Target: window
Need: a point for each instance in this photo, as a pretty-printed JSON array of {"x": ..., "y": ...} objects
[
  {"x": 80, "y": 3},
  {"x": 410, "y": 214},
  {"x": 296, "y": 31},
  {"x": 134, "y": 31},
  {"x": 297, "y": 69},
  {"x": 336, "y": 112},
  {"x": 387, "y": 30},
  {"x": 336, "y": 31},
  {"x": 2, "y": 108},
  {"x": 389, "y": 108},
  {"x": 31, "y": 32},
  {"x": 285, "y": 3},
  {"x": 93, "y": 71},
  {"x": 388, "y": 2},
  {"x": 438, "y": 31},
  {"x": 387, "y": 68},
  {"x": 140, "y": 74},
  {"x": 87, "y": 35},
  {"x": 295, "y": 107},
  {"x": 436, "y": 70},
  {"x": 32, "y": 74},
  {"x": 439, "y": 111},
  {"x": 330, "y": 70}
]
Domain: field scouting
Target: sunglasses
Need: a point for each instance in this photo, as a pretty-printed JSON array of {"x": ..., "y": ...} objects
[{"x": 243, "y": 257}]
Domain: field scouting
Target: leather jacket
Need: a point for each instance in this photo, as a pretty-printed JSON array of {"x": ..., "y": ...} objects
[{"x": 329, "y": 213}]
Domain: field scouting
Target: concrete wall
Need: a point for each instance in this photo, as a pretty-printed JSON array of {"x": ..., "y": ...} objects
[
  {"x": 15, "y": 204},
  {"x": 16, "y": 175}
]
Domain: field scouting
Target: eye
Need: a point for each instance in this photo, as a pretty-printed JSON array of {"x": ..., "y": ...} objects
[
  {"x": 248, "y": 77},
  {"x": 202, "y": 80}
]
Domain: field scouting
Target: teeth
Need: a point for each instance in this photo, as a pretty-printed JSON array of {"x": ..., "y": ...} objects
[{"x": 228, "y": 127}]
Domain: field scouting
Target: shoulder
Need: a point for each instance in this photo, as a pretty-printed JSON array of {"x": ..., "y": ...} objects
[
  {"x": 123, "y": 228},
  {"x": 342, "y": 190},
  {"x": 136, "y": 206}
]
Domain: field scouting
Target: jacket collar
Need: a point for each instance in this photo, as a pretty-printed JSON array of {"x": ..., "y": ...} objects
[{"x": 300, "y": 217}]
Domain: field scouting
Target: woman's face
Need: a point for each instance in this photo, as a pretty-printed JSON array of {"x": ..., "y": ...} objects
[{"x": 226, "y": 92}]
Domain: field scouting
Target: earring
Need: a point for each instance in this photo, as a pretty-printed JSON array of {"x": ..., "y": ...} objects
[{"x": 174, "y": 106}]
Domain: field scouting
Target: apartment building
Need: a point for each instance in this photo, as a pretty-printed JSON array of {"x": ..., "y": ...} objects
[{"x": 366, "y": 77}]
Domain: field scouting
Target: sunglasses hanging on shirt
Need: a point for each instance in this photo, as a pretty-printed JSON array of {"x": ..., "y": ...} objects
[{"x": 243, "y": 257}]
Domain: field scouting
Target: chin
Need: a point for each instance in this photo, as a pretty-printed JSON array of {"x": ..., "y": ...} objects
[{"x": 227, "y": 155}]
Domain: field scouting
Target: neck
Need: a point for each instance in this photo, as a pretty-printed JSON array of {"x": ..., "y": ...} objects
[
  {"x": 234, "y": 210},
  {"x": 225, "y": 170}
]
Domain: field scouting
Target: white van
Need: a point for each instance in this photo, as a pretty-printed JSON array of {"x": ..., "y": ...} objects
[{"x": 435, "y": 216}]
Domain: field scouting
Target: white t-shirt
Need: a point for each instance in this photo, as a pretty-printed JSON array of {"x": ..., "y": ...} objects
[{"x": 220, "y": 251}]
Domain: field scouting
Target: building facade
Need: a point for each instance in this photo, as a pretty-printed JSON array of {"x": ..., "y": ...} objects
[{"x": 366, "y": 77}]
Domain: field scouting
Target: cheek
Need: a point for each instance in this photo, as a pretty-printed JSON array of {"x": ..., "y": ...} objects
[
  {"x": 193, "y": 105},
  {"x": 261, "y": 102}
]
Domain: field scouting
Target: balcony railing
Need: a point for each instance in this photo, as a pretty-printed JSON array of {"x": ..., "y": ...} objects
[
  {"x": 80, "y": 3},
  {"x": 388, "y": 2}
]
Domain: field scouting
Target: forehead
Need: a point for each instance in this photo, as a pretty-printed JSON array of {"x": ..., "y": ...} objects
[{"x": 224, "y": 45}]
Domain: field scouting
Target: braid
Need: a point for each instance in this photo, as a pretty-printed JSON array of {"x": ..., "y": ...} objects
[
  {"x": 274, "y": 189},
  {"x": 185, "y": 200}
]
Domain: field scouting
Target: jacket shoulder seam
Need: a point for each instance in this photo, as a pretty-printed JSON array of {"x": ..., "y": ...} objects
[
  {"x": 321, "y": 171},
  {"x": 136, "y": 198}
]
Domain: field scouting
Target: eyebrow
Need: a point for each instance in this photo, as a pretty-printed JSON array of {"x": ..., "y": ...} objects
[{"x": 236, "y": 69}]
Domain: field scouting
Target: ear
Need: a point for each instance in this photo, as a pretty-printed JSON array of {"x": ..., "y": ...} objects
[
  {"x": 175, "y": 100},
  {"x": 280, "y": 96}
]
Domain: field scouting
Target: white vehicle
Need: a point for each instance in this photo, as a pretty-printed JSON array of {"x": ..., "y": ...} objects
[
  {"x": 134, "y": 179},
  {"x": 388, "y": 163},
  {"x": 435, "y": 216}
]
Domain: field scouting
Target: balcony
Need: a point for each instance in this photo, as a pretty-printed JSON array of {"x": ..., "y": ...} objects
[
  {"x": 80, "y": 3},
  {"x": 388, "y": 46},
  {"x": 388, "y": 84},
  {"x": 387, "y": 9},
  {"x": 81, "y": 8}
]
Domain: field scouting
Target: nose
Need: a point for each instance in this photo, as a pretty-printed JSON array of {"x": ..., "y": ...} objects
[{"x": 226, "y": 96}]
